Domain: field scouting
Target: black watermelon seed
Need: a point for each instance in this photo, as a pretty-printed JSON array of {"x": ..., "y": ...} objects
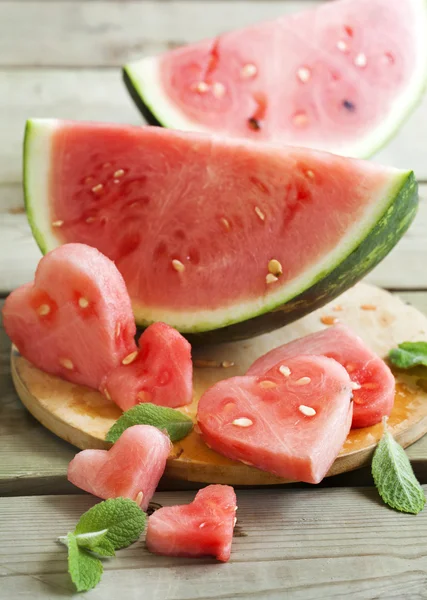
[
  {"x": 349, "y": 105},
  {"x": 254, "y": 124}
]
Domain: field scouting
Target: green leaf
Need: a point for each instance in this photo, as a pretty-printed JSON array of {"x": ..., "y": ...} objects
[
  {"x": 409, "y": 354},
  {"x": 175, "y": 423},
  {"x": 394, "y": 477},
  {"x": 96, "y": 541},
  {"x": 116, "y": 523},
  {"x": 85, "y": 570}
]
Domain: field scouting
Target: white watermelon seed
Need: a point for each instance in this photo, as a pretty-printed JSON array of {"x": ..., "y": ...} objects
[
  {"x": 342, "y": 46},
  {"x": 226, "y": 364},
  {"x": 43, "y": 310},
  {"x": 303, "y": 381},
  {"x": 270, "y": 278},
  {"x": 107, "y": 394},
  {"x": 304, "y": 74},
  {"x": 97, "y": 188},
  {"x": 218, "y": 89},
  {"x": 243, "y": 422},
  {"x": 90, "y": 219},
  {"x": 225, "y": 223},
  {"x": 119, "y": 173},
  {"x": 118, "y": 329},
  {"x": 248, "y": 71},
  {"x": 259, "y": 213},
  {"x": 130, "y": 358},
  {"x": 116, "y": 181},
  {"x": 66, "y": 363},
  {"x": 275, "y": 267},
  {"x": 202, "y": 525},
  {"x": 309, "y": 174},
  {"x": 139, "y": 498},
  {"x": 178, "y": 265},
  {"x": 267, "y": 385},
  {"x": 355, "y": 385},
  {"x": 300, "y": 119},
  {"x": 361, "y": 60},
  {"x": 57, "y": 223},
  {"x": 83, "y": 302},
  {"x": 308, "y": 411},
  {"x": 202, "y": 87},
  {"x": 285, "y": 371}
]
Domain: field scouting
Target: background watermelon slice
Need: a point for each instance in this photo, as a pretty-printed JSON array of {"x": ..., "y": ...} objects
[
  {"x": 340, "y": 77},
  {"x": 210, "y": 232}
]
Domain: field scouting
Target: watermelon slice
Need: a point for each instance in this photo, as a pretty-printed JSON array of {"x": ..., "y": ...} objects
[
  {"x": 202, "y": 528},
  {"x": 291, "y": 422},
  {"x": 161, "y": 373},
  {"x": 373, "y": 382},
  {"x": 340, "y": 77},
  {"x": 75, "y": 320},
  {"x": 209, "y": 233},
  {"x": 131, "y": 468}
]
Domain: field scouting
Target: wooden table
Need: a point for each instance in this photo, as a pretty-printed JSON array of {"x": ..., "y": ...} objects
[{"x": 61, "y": 58}]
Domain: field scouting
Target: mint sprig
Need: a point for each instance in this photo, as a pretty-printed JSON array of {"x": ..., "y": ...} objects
[
  {"x": 409, "y": 354},
  {"x": 173, "y": 422},
  {"x": 85, "y": 570},
  {"x": 103, "y": 529},
  {"x": 394, "y": 477}
]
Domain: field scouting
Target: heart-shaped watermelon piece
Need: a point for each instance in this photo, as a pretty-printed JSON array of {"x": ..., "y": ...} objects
[
  {"x": 75, "y": 320},
  {"x": 292, "y": 421},
  {"x": 131, "y": 468},
  {"x": 202, "y": 528},
  {"x": 160, "y": 373}
]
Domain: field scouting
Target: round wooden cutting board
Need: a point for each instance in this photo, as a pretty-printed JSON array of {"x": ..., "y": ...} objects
[{"x": 83, "y": 416}]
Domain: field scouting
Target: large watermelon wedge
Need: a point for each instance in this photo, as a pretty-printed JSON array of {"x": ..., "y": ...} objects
[
  {"x": 341, "y": 77},
  {"x": 213, "y": 233}
]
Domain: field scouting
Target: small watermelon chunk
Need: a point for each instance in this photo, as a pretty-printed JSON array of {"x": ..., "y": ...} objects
[
  {"x": 214, "y": 233},
  {"x": 291, "y": 422},
  {"x": 132, "y": 468},
  {"x": 340, "y": 77},
  {"x": 160, "y": 373},
  {"x": 374, "y": 385},
  {"x": 202, "y": 528},
  {"x": 75, "y": 320}
]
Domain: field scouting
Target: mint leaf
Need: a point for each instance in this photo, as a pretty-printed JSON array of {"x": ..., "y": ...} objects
[
  {"x": 175, "y": 423},
  {"x": 96, "y": 541},
  {"x": 394, "y": 477},
  {"x": 85, "y": 570},
  {"x": 409, "y": 354},
  {"x": 114, "y": 523}
]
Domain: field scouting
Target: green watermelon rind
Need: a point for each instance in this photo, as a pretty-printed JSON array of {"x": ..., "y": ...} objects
[{"x": 142, "y": 82}]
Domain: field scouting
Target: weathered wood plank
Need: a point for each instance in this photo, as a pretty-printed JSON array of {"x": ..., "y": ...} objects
[
  {"x": 77, "y": 33},
  {"x": 298, "y": 544},
  {"x": 34, "y": 461},
  {"x": 19, "y": 254}
]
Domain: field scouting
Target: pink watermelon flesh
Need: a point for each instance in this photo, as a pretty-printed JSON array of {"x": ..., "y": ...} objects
[
  {"x": 75, "y": 320},
  {"x": 197, "y": 200},
  {"x": 262, "y": 421},
  {"x": 324, "y": 78},
  {"x": 161, "y": 373},
  {"x": 202, "y": 528},
  {"x": 375, "y": 397},
  {"x": 134, "y": 464}
]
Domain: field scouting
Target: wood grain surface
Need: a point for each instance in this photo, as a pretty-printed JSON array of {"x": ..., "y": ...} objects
[{"x": 288, "y": 545}]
